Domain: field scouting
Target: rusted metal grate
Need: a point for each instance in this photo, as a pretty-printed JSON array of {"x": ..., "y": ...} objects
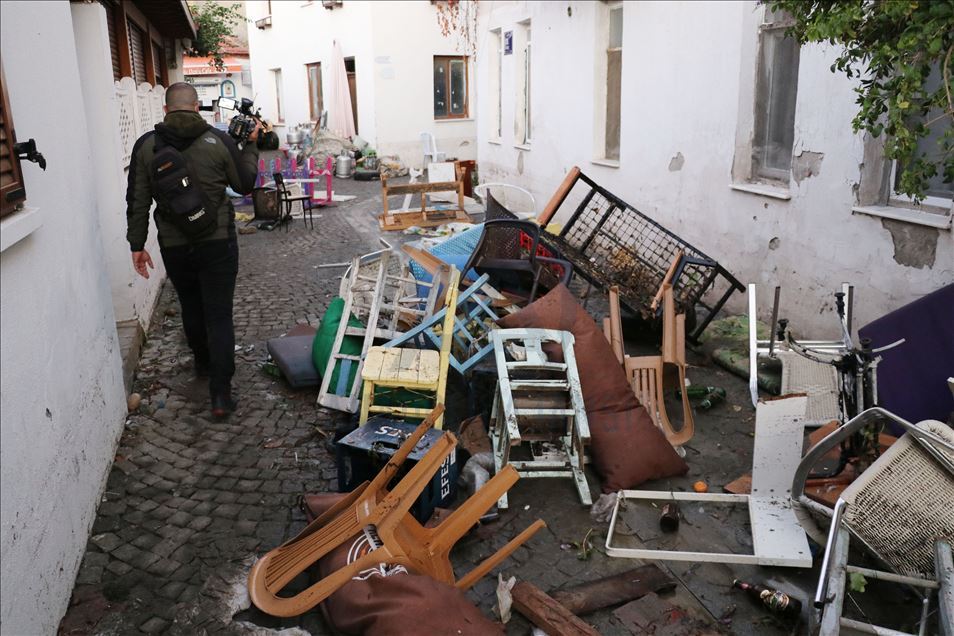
[{"x": 610, "y": 243}]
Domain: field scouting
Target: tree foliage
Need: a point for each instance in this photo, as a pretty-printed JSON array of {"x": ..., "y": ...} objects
[
  {"x": 214, "y": 24},
  {"x": 892, "y": 48}
]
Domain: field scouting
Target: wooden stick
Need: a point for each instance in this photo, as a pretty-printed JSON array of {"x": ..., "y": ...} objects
[
  {"x": 546, "y": 613},
  {"x": 612, "y": 590},
  {"x": 559, "y": 196},
  {"x": 616, "y": 324}
]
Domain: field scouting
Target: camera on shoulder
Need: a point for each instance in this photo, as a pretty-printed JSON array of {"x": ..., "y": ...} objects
[{"x": 242, "y": 124}]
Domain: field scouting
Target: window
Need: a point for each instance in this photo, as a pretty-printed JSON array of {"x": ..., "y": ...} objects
[
  {"x": 113, "y": 40},
  {"x": 776, "y": 88},
  {"x": 279, "y": 115},
  {"x": 12, "y": 193},
  {"x": 450, "y": 87},
  {"x": 159, "y": 65},
  {"x": 496, "y": 73},
  {"x": 526, "y": 87},
  {"x": 614, "y": 82},
  {"x": 137, "y": 52},
  {"x": 315, "y": 102}
]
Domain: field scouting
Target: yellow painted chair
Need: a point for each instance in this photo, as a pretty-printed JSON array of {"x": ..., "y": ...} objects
[{"x": 415, "y": 370}]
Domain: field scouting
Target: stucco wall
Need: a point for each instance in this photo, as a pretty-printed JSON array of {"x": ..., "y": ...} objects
[
  {"x": 687, "y": 76},
  {"x": 60, "y": 384},
  {"x": 393, "y": 44},
  {"x": 133, "y": 296}
]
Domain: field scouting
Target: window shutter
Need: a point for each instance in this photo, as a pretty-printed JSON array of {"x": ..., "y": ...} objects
[
  {"x": 12, "y": 192},
  {"x": 158, "y": 61},
  {"x": 113, "y": 38},
  {"x": 137, "y": 52}
]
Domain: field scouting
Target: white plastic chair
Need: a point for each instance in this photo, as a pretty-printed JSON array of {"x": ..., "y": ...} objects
[{"x": 431, "y": 154}]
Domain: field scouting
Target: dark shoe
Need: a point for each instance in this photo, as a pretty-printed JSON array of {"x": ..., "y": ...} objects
[{"x": 223, "y": 405}]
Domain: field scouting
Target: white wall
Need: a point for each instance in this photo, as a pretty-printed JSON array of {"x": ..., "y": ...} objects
[
  {"x": 685, "y": 66},
  {"x": 133, "y": 296},
  {"x": 393, "y": 44},
  {"x": 60, "y": 379}
]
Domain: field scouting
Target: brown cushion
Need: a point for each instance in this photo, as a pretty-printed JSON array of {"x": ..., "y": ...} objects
[
  {"x": 628, "y": 449},
  {"x": 391, "y": 600},
  {"x": 601, "y": 377}
]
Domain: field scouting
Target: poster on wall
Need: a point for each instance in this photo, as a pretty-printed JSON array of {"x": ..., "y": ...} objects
[
  {"x": 508, "y": 42},
  {"x": 228, "y": 89}
]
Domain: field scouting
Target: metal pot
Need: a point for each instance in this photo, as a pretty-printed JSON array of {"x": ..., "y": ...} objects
[
  {"x": 344, "y": 166},
  {"x": 294, "y": 137}
]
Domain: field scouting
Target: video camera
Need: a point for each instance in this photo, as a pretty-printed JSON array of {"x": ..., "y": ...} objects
[{"x": 242, "y": 125}]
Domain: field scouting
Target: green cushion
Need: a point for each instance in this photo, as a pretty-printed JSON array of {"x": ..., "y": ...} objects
[{"x": 325, "y": 340}]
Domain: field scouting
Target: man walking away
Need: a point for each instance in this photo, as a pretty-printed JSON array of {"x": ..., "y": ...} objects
[{"x": 186, "y": 165}]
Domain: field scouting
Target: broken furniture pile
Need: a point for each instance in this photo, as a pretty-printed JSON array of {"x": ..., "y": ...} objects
[{"x": 492, "y": 310}]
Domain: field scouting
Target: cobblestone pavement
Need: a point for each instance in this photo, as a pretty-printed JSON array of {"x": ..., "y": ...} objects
[{"x": 190, "y": 502}]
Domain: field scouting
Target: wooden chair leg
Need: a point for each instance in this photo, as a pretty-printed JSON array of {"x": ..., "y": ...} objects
[
  {"x": 366, "y": 398},
  {"x": 459, "y": 523},
  {"x": 497, "y": 557}
]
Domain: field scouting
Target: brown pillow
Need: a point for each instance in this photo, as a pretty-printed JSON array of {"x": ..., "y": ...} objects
[
  {"x": 601, "y": 377},
  {"x": 390, "y": 600},
  {"x": 628, "y": 449}
]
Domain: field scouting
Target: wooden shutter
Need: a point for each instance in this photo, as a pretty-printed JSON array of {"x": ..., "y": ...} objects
[
  {"x": 158, "y": 64},
  {"x": 113, "y": 38},
  {"x": 12, "y": 192},
  {"x": 137, "y": 52}
]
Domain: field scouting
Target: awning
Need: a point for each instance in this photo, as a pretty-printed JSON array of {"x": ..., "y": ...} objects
[
  {"x": 204, "y": 66},
  {"x": 171, "y": 18}
]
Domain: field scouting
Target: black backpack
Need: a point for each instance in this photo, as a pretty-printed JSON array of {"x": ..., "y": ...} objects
[{"x": 176, "y": 187}]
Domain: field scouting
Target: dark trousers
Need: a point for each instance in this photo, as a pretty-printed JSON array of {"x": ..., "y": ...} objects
[{"x": 204, "y": 278}]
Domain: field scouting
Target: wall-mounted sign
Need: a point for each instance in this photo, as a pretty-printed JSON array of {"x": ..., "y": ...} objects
[
  {"x": 508, "y": 42},
  {"x": 228, "y": 89}
]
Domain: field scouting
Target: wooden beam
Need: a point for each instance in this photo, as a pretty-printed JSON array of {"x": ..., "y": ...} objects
[
  {"x": 559, "y": 196},
  {"x": 667, "y": 279},
  {"x": 414, "y": 188},
  {"x": 546, "y": 613},
  {"x": 613, "y": 590}
]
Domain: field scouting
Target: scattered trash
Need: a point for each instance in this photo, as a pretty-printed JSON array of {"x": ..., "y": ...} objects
[
  {"x": 669, "y": 519},
  {"x": 270, "y": 368},
  {"x": 247, "y": 229},
  {"x": 504, "y": 598},
  {"x": 615, "y": 589},
  {"x": 709, "y": 396},
  {"x": 527, "y": 507},
  {"x": 476, "y": 471},
  {"x": 774, "y": 600},
  {"x": 602, "y": 508},
  {"x": 473, "y": 437},
  {"x": 585, "y": 547},
  {"x": 133, "y": 401},
  {"x": 273, "y": 442},
  {"x": 243, "y": 216},
  {"x": 700, "y": 486},
  {"x": 727, "y": 614}
]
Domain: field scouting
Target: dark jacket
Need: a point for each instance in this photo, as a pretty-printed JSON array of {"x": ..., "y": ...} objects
[{"x": 217, "y": 163}]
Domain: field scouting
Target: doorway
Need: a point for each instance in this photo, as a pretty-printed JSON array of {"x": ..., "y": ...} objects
[{"x": 353, "y": 89}]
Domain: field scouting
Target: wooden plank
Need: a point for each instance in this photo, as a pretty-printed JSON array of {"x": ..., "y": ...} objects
[
  {"x": 559, "y": 196},
  {"x": 546, "y": 613},
  {"x": 373, "y": 364},
  {"x": 429, "y": 218},
  {"x": 431, "y": 264},
  {"x": 410, "y": 369},
  {"x": 430, "y": 368},
  {"x": 416, "y": 188},
  {"x": 612, "y": 590},
  {"x": 390, "y": 366},
  {"x": 667, "y": 279}
]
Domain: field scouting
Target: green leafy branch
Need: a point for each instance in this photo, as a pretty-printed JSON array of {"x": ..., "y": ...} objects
[
  {"x": 892, "y": 48},
  {"x": 214, "y": 26}
]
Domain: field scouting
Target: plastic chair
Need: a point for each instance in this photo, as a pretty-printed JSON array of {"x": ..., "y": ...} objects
[
  {"x": 417, "y": 370},
  {"x": 507, "y": 252},
  {"x": 287, "y": 199},
  {"x": 431, "y": 154},
  {"x": 395, "y": 536},
  {"x": 899, "y": 509}
]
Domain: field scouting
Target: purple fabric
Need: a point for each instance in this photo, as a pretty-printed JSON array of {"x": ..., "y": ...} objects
[{"x": 912, "y": 377}]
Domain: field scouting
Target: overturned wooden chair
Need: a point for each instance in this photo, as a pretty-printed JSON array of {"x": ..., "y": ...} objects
[
  {"x": 421, "y": 371},
  {"x": 396, "y": 537},
  {"x": 645, "y": 373}
]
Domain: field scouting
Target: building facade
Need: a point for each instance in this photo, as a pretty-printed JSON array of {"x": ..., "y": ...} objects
[
  {"x": 706, "y": 118},
  {"x": 67, "y": 287},
  {"x": 410, "y": 68}
]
